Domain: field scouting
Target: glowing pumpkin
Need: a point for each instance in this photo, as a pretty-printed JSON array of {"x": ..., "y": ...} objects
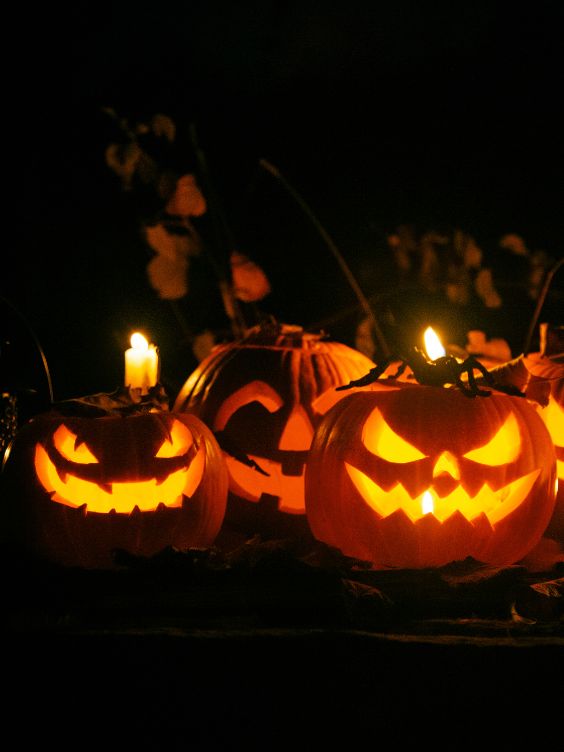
[
  {"x": 79, "y": 487},
  {"x": 265, "y": 394},
  {"x": 546, "y": 367},
  {"x": 416, "y": 476}
]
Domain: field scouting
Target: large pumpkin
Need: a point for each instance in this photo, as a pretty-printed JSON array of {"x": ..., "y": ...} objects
[
  {"x": 78, "y": 487},
  {"x": 266, "y": 394},
  {"x": 417, "y": 476}
]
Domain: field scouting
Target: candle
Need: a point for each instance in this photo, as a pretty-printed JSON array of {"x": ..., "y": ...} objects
[{"x": 141, "y": 364}]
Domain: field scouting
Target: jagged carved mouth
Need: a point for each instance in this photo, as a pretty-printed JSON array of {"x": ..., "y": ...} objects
[
  {"x": 495, "y": 504},
  {"x": 124, "y": 498}
]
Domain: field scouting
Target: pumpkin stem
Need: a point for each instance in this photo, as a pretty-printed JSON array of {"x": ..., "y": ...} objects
[{"x": 362, "y": 299}]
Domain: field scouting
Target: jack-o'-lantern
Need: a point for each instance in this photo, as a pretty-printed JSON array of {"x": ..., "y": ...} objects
[
  {"x": 417, "y": 476},
  {"x": 265, "y": 395},
  {"x": 78, "y": 487},
  {"x": 547, "y": 367}
]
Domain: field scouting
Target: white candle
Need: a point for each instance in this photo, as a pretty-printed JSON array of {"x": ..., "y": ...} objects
[{"x": 141, "y": 364}]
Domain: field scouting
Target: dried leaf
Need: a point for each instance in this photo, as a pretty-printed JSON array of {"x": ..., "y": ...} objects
[
  {"x": 123, "y": 160},
  {"x": 496, "y": 349},
  {"x": 123, "y": 401},
  {"x": 203, "y": 345},
  {"x": 161, "y": 241},
  {"x": 168, "y": 277},
  {"x": 249, "y": 281},
  {"x": 187, "y": 199},
  {"x": 163, "y": 125}
]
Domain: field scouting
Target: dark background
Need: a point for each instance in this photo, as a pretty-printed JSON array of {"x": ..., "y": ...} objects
[{"x": 438, "y": 114}]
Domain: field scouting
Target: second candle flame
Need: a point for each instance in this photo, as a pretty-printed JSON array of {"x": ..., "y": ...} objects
[
  {"x": 433, "y": 344},
  {"x": 427, "y": 503}
]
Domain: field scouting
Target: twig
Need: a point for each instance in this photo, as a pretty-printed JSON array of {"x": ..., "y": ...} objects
[
  {"x": 231, "y": 306},
  {"x": 540, "y": 302},
  {"x": 335, "y": 251}
]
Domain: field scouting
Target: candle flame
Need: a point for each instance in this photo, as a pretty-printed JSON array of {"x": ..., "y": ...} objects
[
  {"x": 433, "y": 344},
  {"x": 138, "y": 342},
  {"x": 427, "y": 503}
]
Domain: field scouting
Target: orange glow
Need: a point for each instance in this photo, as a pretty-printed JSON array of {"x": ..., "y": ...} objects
[
  {"x": 427, "y": 503},
  {"x": 298, "y": 432},
  {"x": 553, "y": 416},
  {"x": 138, "y": 342},
  {"x": 122, "y": 497},
  {"x": 433, "y": 344},
  {"x": 248, "y": 484},
  {"x": 502, "y": 449},
  {"x": 379, "y": 439},
  {"x": 255, "y": 391},
  {"x": 494, "y": 504},
  {"x": 66, "y": 443}
]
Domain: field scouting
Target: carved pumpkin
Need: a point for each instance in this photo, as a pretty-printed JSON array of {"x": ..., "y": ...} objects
[
  {"x": 266, "y": 394},
  {"x": 79, "y": 487},
  {"x": 548, "y": 366},
  {"x": 417, "y": 476}
]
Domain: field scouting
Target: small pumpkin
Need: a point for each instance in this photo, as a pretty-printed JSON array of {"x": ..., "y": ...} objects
[
  {"x": 418, "y": 476},
  {"x": 547, "y": 367},
  {"x": 78, "y": 487},
  {"x": 265, "y": 394}
]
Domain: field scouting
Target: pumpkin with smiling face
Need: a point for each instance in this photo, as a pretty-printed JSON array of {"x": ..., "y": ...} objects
[
  {"x": 265, "y": 394},
  {"x": 416, "y": 476},
  {"x": 79, "y": 487}
]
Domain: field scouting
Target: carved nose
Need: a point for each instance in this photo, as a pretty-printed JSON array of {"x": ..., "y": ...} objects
[
  {"x": 297, "y": 433},
  {"x": 446, "y": 474}
]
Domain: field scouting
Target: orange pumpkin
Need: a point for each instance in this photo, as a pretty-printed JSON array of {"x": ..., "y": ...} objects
[
  {"x": 265, "y": 394},
  {"x": 418, "y": 476},
  {"x": 77, "y": 487},
  {"x": 548, "y": 368}
]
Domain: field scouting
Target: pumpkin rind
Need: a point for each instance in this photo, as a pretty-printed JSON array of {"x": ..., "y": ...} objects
[
  {"x": 266, "y": 393},
  {"x": 126, "y": 450},
  {"x": 551, "y": 370},
  {"x": 439, "y": 423}
]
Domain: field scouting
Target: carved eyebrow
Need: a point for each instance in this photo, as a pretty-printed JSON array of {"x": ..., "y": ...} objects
[{"x": 256, "y": 391}]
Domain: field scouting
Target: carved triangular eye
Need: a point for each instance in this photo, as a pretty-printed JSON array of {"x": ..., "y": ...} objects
[
  {"x": 67, "y": 444},
  {"x": 256, "y": 391},
  {"x": 179, "y": 442},
  {"x": 502, "y": 449},
  {"x": 378, "y": 438}
]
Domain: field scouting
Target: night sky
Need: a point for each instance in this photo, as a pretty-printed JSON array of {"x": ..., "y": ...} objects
[{"x": 436, "y": 114}]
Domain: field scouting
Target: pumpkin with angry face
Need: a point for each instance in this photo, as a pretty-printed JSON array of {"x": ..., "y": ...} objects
[
  {"x": 78, "y": 487},
  {"x": 265, "y": 394},
  {"x": 417, "y": 476}
]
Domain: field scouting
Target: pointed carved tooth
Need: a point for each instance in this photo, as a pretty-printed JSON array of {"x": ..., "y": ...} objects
[
  {"x": 112, "y": 511},
  {"x": 83, "y": 509},
  {"x": 63, "y": 475},
  {"x": 161, "y": 507},
  {"x": 135, "y": 511}
]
